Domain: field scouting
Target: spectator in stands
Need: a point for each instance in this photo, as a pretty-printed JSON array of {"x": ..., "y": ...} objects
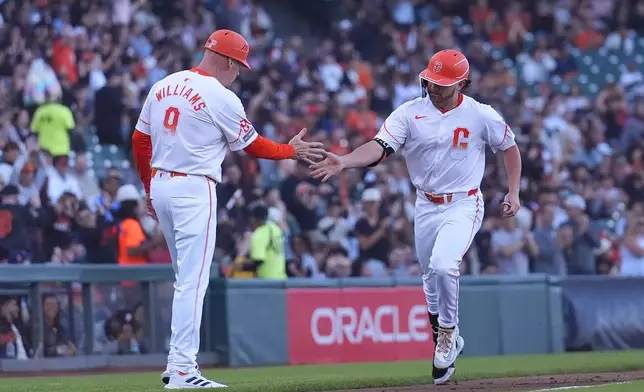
[
  {"x": 61, "y": 181},
  {"x": 139, "y": 327},
  {"x": 14, "y": 334},
  {"x": 550, "y": 241},
  {"x": 267, "y": 249},
  {"x": 402, "y": 262},
  {"x": 338, "y": 265},
  {"x": 302, "y": 264},
  {"x": 362, "y": 119},
  {"x": 301, "y": 197},
  {"x": 277, "y": 210},
  {"x": 29, "y": 183},
  {"x": 86, "y": 180},
  {"x": 132, "y": 247},
  {"x": 483, "y": 245},
  {"x": 522, "y": 58},
  {"x": 633, "y": 130},
  {"x": 59, "y": 227},
  {"x": 120, "y": 337},
  {"x": 17, "y": 222},
  {"x": 97, "y": 235},
  {"x": 336, "y": 226},
  {"x": 10, "y": 154},
  {"x": 581, "y": 257},
  {"x": 512, "y": 247},
  {"x": 106, "y": 203},
  {"x": 373, "y": 229},
  {"x": 109, "y": 110},
  {"x": 52, "y": 122},
  {"x": 402, "y": 231},
  {"x": 633, "y": 247},
  {"x": 57, "y": 341}
]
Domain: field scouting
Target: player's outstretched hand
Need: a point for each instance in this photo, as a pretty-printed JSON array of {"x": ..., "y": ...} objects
[
  {"x": 308, "y": 152},
  {"x": 511, "y": 204},
  {"x": 329, "y": 167},
  {"x": 149, "y": 209}
]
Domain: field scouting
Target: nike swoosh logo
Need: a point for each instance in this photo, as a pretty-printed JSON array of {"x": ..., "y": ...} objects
[{"x": 419, "y": 117}]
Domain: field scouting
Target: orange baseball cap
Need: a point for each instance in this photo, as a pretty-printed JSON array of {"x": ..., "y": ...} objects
[{"x": 230, "y": 44}]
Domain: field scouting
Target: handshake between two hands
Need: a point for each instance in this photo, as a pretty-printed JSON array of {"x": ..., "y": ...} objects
[{"x": 324, "y": 164}]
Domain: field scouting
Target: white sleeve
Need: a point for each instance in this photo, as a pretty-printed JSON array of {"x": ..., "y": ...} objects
[
  {"x": 498, "y": 135},
  {"x": 143, "y": 125},
  {"x": 231, "y": 120},
  {"x": 394, "y": 129}
]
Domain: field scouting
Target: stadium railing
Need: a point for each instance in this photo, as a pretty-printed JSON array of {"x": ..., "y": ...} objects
[{"x": 263, "y": 322}]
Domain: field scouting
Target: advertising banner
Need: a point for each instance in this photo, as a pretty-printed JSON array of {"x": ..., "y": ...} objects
[
  {"x": 358, "y": 325},
  {"x": 603, "y": 313}
]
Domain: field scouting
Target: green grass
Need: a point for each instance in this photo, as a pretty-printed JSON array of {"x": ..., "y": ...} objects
[
  {"x": 635, "y": 386},
  {"x": 347, "y": 376}
]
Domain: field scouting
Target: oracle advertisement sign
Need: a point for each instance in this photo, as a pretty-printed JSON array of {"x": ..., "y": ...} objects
[{"x": 358, "y": 325}]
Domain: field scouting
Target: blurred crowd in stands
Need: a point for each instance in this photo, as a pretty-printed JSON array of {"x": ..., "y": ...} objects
[{"x": 565, "y": 74}]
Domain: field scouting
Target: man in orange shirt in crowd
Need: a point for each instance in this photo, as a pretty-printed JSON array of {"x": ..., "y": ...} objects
[
  {"x": 132, "y": 248},
  {"x": 362, "y": 119}
]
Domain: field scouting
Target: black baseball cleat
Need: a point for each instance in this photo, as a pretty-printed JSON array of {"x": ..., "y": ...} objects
[{"x": 442, "y": 376}]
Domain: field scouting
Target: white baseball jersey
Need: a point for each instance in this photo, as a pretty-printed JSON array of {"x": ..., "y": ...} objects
[
  {"x": 445, "y": 151},
  {"x": 193, "y": 120}
]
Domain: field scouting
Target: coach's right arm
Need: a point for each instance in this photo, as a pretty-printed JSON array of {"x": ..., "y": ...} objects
[{"x": 241, "y": 135}]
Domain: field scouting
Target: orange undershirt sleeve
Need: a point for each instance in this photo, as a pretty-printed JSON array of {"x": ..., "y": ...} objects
[
  {"x": 142, "y": 149},
  {"x": 267, "y": 149}
]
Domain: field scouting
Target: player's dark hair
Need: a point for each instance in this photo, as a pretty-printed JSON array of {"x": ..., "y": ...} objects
[{"x": 466, "y": 85}]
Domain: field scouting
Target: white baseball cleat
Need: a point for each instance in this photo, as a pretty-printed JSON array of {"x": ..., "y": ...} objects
[
  {"x": 449, "y": 372},
  {"x": 194, "y": 380},
  {"x": 446, "y": 349},
  {"x": 165, "y": 377}
]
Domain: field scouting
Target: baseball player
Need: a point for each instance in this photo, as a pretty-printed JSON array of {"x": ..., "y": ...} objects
[
  {"x": 442, "y": 136},
  {"x": 189, "y": 121}
]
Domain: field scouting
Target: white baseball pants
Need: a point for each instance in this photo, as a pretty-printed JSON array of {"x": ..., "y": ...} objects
[
  {"x": 187, "y": 210},
  {"x": 444, "y": 232}
]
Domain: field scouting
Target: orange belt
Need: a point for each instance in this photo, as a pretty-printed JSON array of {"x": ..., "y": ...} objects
[
  {"x": 174, "y": 174},
  {"x": 446, "y": 198}
]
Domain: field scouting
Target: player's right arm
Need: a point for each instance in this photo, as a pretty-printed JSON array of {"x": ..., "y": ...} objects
[
  {"x": 241, "y": 135},
  {"x": 142, "y": 144},
  {"x": 390, "y": 138}
]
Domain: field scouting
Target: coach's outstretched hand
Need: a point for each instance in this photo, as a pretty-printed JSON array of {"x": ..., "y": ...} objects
[
  {"x": 308, "y": 152},
  {"x": 328, "y": 168}
]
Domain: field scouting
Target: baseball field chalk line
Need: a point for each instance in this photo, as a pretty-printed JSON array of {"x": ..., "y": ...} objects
[{"x": 579, "y": 387}]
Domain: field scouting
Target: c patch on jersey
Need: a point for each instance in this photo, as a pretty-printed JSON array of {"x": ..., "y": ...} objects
[{"x": 246, "y": 130}]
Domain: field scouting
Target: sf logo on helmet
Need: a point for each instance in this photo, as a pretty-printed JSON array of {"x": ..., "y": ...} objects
[{"x": 438, "y": 66}]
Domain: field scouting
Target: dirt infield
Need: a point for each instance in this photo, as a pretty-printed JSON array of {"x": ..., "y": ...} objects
[{"x": 518, "y": 383}]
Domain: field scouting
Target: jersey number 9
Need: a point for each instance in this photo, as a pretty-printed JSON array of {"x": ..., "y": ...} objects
[{"x": 171, "y": 119}]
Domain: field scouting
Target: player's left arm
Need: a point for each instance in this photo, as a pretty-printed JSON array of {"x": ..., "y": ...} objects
[{"x": 500, "y": 137}]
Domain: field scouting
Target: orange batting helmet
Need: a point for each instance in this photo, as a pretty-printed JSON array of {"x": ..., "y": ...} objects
[
  {"x": 230, "y": 44},
  {"x": 446, "y": 68}
]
